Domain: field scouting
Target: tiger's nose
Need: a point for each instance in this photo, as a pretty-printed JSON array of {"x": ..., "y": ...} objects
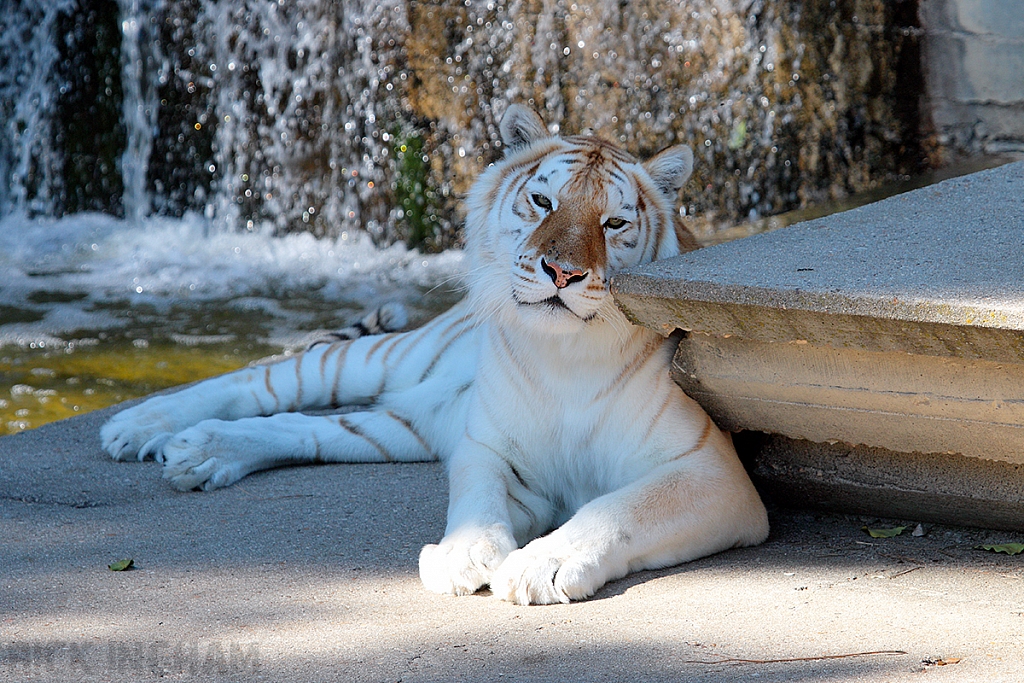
[{"x": 560, "y": 276}]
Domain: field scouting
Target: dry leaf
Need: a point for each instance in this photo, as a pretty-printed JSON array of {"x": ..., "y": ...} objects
[
  {"x": 944, "y": 661},
  {"x": 885, "y": 533}
]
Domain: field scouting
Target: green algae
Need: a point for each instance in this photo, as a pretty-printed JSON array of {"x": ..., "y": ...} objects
[{"x": 48, "y": 384}]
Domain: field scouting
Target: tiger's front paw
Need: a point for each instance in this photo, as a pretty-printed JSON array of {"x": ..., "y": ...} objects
[
  {"x": 464, "y": 561},
  {"x": 545, "y": 572},
  {"x": 140, "y": 431}
]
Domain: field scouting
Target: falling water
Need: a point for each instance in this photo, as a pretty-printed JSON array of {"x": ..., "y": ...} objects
[
  {"x": 28, "y": 105},
  {"x": 343, "y": 116},
  {"x": 140, "y": 59}
]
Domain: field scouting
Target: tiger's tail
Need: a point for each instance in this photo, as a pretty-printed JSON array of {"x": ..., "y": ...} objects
[{"x": 389, "y": 317}]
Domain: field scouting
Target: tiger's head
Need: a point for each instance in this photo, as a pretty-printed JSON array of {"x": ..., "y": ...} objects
[{"x": 551, "y": 223}]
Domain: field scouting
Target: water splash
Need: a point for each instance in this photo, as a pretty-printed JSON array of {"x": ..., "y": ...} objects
[{"x": 62, "y": 276}]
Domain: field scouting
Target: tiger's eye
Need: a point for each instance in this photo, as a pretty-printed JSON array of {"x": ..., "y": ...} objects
[
  {"x": 541, "y": 201},
  {"x": 615, "y": 223}
]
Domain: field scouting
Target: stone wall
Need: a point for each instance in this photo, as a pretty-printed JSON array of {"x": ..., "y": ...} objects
[{"x": 974, "y": 72}]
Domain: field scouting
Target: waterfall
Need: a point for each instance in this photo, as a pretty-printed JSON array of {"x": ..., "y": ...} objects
[
  {"x": 243, "y": 112},
  {"x": 28, "y": 96},
  {"x": 140, "y": 74},
  {"x": 374, "y": 115}
]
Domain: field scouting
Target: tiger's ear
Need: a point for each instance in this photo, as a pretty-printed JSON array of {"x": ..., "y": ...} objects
[
  {"x": 670, "y": 168},
  {"x": 520, "y": 127}
]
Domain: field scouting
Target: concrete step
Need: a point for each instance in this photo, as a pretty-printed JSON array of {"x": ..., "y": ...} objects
[{"x": 897, "y": 326}]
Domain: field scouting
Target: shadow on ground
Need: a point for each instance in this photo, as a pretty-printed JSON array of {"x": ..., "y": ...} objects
[{"x": 310, "y": 574}]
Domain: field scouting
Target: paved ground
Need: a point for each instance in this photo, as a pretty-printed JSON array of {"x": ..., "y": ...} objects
[{"x": 309, "y": 574}]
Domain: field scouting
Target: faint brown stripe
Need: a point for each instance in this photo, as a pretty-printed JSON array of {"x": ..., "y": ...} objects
[
  {"x": 333, "y": 348},
  {"x": 524, "y": 372},
  {"x": 408, "y": 425},
  {"x": 318, "y": 457},
  {"x": 650, "y": 349},
  {"x": 425, "y": 331},
  {"x": 270, "y": 388},
  {"x": 414, "y": 339},
  {"x": 492, "y": 194},
  {"x": 371, "y": 352},
  {"x": 391, "y": 349},
  {"x": 664, "y": 406},
  {"x": 708, "y": 426},
  {"x": 355, "y": 431},
  {"x": 379, "y": 343},
  {"x": 441, "y": 352},
  {"x": 340, "y": 365},
  {"x": 298, "y": 381},
  {"x": 643, "y": 224}
]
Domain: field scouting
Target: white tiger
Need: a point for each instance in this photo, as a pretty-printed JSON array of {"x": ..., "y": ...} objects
[{"x": 572, "y": 457}]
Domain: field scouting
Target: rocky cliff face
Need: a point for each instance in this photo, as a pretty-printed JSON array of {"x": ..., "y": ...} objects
[{"x": 784, "y": 103}]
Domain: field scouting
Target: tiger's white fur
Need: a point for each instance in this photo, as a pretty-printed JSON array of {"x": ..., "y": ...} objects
[{"x": 551, "y": 412}]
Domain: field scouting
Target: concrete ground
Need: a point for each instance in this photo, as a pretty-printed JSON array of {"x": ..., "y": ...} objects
[{"x": 309, "y": 574}]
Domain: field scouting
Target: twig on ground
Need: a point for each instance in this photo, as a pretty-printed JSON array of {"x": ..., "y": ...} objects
[
  {"x": 738, "y": 660},
  {"x": 906, "y": 571}
]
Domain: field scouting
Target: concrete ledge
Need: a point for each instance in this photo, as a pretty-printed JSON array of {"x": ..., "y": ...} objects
[
  {"x": 899, "y": 401},
  {"x": 896, "y": 327},
  {"x": 948, "y": 254},
  {"x": 925, "y": 487}
]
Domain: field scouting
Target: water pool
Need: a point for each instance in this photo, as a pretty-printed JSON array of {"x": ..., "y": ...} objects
[{"x": 94, "y": 311}]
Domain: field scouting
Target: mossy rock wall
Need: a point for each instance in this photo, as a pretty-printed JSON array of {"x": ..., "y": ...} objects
[{"x": 785, "y": 103}]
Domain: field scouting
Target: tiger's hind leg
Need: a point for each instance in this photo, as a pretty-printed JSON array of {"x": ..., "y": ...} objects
[
  {"x": 217, "y": 453},
  {"x": 295, "y": 384},
  {"x": 329, "y": 375}
]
